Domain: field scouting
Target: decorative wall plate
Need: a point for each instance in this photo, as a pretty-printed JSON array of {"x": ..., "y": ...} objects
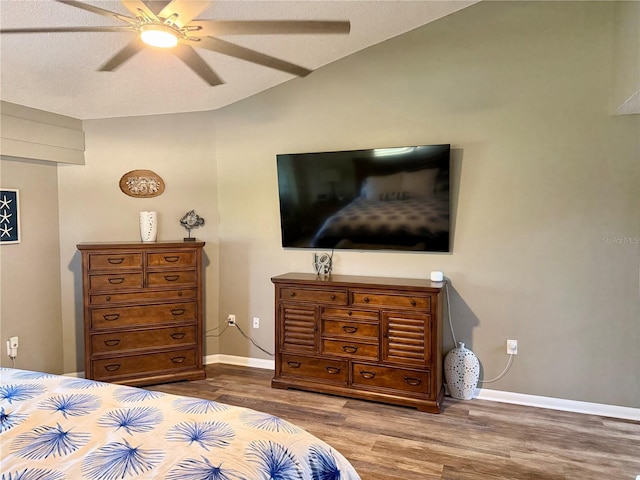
[{"x": 142, "y": 184}]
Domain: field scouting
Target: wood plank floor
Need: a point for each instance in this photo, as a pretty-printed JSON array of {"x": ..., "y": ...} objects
[{"x": 469, "y": 440}]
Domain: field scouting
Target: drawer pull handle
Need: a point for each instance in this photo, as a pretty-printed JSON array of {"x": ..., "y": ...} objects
[
  {"x": 171, "y": 278},
  {"x": 111, "y": 343},
  {"x": 112, "y": 367},
  {"x": 293, "y": 364},
  {"x": 332, "y": 370},
  {"x": 172, "y": 259},
  {"x": 413, "y": 303},
  {"x": 367, "y": 375},
  {"x": 177, "y": 311},
  {"x": 349, "y": 313},
  {"x": 412, "y": 381},
  {"x": 350, "y": 329},
  {"x": 178, "y": 359},
  {"x": 178, "y": 335},
  {"x": 115, "y": 261},
  {"x": 110, "y": 317},
  {"x": 108, "y": 298},
  {"x": 349, "y": 349},
  {"x": 179, "y": 294},
  {"x": 292, "y": 294},
  {"x": 366, "y": 299},
  {"x": 116, "y": 280},
  {"x": 333, "y": 297}
]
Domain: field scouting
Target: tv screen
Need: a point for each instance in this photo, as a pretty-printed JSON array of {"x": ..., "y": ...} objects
[{"x": 378, "y": 199}]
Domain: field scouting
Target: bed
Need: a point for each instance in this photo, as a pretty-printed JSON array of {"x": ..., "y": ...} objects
[
  {"x": 404, "y": 210},
  {"x": 54, "y": 428}
]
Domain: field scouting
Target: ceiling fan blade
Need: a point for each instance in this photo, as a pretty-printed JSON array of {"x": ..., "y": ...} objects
[
  {"x": 227, "y": 48},
  {"x": 98, "y": 10},
  {"x": 186, "y": 10},
  {"x": 261, "y": 27},
  {"x": 133, "y": 47},
  {"x": 137, "y": 6},
  {"x": 188, "y": 55},
  {"x": 67, "y": 29}
]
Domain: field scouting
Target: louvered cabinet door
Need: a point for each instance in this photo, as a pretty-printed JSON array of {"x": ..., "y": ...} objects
[
  {"x": 299, "y": 328},
  {"x": 406, "y": 339}
]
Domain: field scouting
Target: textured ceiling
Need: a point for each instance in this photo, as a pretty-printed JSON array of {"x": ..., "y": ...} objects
[{"x": 56, "y": 72}]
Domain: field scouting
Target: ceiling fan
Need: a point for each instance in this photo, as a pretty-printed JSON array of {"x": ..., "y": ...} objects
[{"x": 171, "y": 25}]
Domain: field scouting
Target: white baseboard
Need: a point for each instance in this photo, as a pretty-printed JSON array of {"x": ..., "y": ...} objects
[
  {"x": 589, "y": 408},
  {"x": 241, "y": 361},
  {"x": 601, "y": 409}
]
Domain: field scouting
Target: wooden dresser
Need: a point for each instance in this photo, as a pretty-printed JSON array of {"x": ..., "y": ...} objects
[
  {"x": 143, "y": 314},
  {"x": 372, "y": 338}
]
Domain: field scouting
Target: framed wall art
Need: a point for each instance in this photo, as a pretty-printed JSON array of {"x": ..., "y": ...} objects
[{"x": 9, "y": 216}]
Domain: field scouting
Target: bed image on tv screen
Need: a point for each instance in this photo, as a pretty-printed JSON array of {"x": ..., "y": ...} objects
[{"x": 380, "y": 199}]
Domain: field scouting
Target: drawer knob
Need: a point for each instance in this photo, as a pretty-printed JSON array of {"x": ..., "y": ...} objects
[
  {"x": 179, "y": 294},
  {"x": 172, "y": 259},
  {"x": 108, "y": 298},
  {"x": 349, "y": 313},
  {"x": 412, "y": 381},
  {"x": 413, "y": 303},
  {"x": 349, "y": 349},
  {"x": 292, "y": 294},
  {"x": 178, "y": 335},
  {"x": 332, "y": 370},
  {"x": 178, "y": 359},
  {"x": 293, "y": 364},
  {"x": 115, "y": 261},
  {"x": 366, "y": 299},
  {"x": 116, "y": 280},
  {"x": 112, "y": 343},
  {"x": 367, "y": 375},
  {"x": 333, "y": 297},
  {"x": 177, "y": 311},
  {"x": 110, "y": 317},
  {"x": 350, "y": 329},
  {"x": 112, "y": 367},
  {"x": 171, "y": 278}
]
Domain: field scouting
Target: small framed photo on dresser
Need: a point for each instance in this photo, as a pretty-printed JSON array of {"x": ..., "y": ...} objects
[{"x": 9, "y": 216}]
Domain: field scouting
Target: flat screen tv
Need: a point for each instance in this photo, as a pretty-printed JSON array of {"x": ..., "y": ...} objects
[{"x": 378, "y": 199}]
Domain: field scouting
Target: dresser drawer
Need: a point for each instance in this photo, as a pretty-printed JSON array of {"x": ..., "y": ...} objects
[
  {"x": 136, "y": 364},
  {"x": 114, "y": 261},
  {"x": 335, "y": 371},
  {"x": 116, "y": 317},
  {"x": 350, "y": 349},
  {"x": 142, "y": 296},
  {"x": 164, "y": 279},
  {"x": 115, "y": 281},
  {"x": 372, "y": 376},
  {"x": 355, "y": 330},
  {"x": 171, "y": 259},
  {"x": 160, "y": 337},
  {"x": 390, "y": 300},
  {"x": 350, "y": 314},
  {"x": 334, "y": 297}
]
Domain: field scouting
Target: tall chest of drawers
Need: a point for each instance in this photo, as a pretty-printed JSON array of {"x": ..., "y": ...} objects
[
  {"x": 143, "y": 312},
  {"x": 372, "y": 338}
]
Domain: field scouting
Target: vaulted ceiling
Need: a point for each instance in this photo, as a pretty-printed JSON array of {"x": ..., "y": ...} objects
[{"x": 57, "y": 72}]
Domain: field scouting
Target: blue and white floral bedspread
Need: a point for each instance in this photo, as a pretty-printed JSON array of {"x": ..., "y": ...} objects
[{"x": 54, "y": 428}]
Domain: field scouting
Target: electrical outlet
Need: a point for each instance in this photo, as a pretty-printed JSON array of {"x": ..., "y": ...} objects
[
  {"x": 256, "y": 322},
  {"x": 231, "y": 319},
  {"x": 12, "y": 347},
  {"x": 512, "y": 347}
]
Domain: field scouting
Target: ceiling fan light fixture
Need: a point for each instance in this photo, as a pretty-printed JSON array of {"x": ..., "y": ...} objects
[{"x": 159, "y": 36}]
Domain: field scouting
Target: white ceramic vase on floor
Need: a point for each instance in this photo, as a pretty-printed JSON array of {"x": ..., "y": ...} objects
[
  {"x": 148, "y": 226},
  {"x": 461, "y": 372}
]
